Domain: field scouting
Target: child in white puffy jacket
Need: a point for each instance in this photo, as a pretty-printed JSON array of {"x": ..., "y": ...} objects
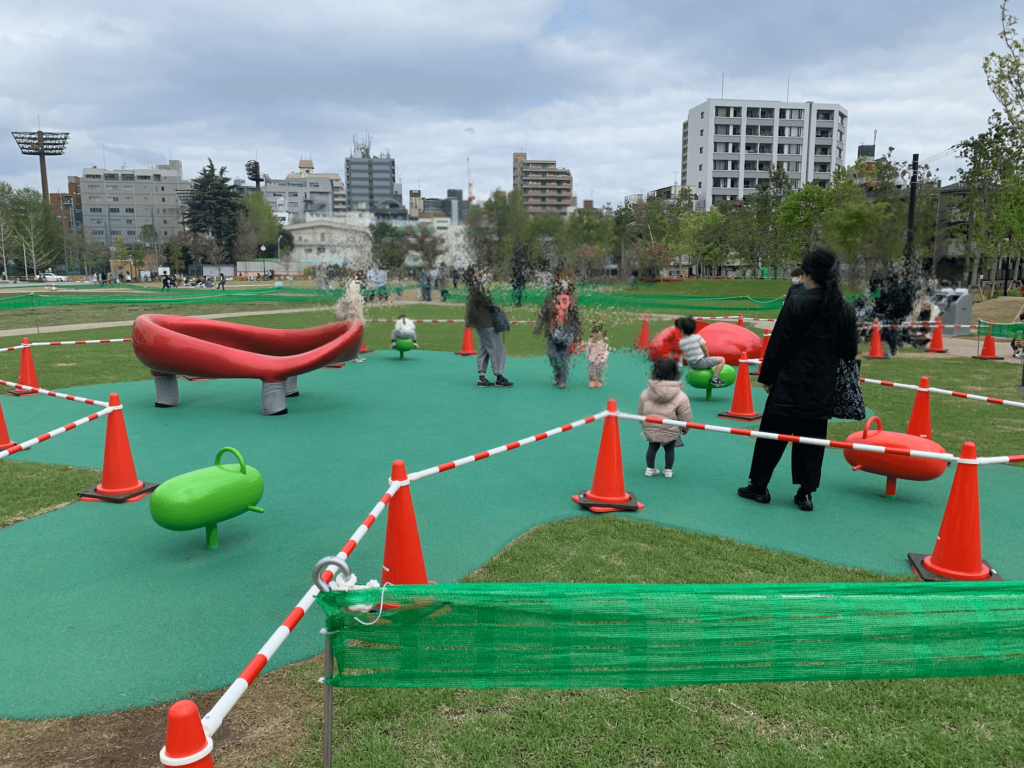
[
  {"x": 404, "y": 329},
  {"x": 664, "y": 397}
]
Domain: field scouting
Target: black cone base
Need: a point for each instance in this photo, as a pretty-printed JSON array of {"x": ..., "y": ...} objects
[
  {"x": 917, "y": 563},
  {"x": 90, "y": 494}
]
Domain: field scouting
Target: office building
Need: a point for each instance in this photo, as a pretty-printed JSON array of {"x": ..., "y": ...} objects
[
  {"x": 122, "y": 202},
  {"x": 303, "y": 195},
  {"x": 67, "y": 207},
  {"x": 452, "y": 207},
  {"x": 330, "y": 241},
  {"x": 546, "y": 188},
  {"x": 729, "y": 145},
  {"x": 371, "y": 185}
]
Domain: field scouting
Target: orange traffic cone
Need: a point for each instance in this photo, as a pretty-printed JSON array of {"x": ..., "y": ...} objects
[
  {"x": 875, "y": 352},
  {"x": 403, "y": 556},
  {"x": 119, "y": 483},
  {"x": 362, "y": 347},
  {"x": 920, "y": 423},
  {"x": 608, "y": 489},
  {"x": 26, "y": 373},
  {"x": 643, "y": 339},
  {"x": 936, "y": 346},
  {"x": 187, "y": 742},
  {"x": 740, "y": 321},
  {"x": 957, "y": 552},
  {"x": 764, "y": 349},
  {"x": 467, "y": 343},
  {"x": 5, "y": 439},
  {"x": 742, "y": 400},
  {"x": 988, "y": 349}
]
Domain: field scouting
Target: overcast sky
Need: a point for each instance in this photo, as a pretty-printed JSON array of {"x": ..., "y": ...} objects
[{"x": 601, "y": 87}]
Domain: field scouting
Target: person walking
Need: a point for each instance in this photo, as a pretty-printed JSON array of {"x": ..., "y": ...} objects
[
  {"x": 559, "y": 321},
  {"x": 478, "y": 315},
  {"x": 425, "y": 285},
  {"x": 815, "y": 328}
]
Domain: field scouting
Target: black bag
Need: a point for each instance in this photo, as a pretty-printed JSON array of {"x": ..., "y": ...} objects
[
  {"x": 849, "y": 400},
  {"x": 563, "y": 336},
  {"x": 499, "y": 320}
]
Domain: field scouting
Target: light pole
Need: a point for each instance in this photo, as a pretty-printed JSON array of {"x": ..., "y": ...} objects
[
  {"x": 113, "y": 250},
  {"x": 279, "y": 249},
  {"x": 264, "y": 249}
]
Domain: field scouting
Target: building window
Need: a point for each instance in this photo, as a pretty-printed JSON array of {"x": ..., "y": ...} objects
[
  {"x": 842, "y": 119},
  {"x": 791, "y": 130},
  {"x": 129, "y": 210},
  {"x": 826, "y": 114},
  {"x": 95, "y": 210},
  {"x": 839, "y": 134},
  {"x": 839, "y": 152},
  {"x": 95, "y": 186},
  {"x": 129, "y": 221},
  {"x": 720, "y": 181},
  {"x": 789, "y": 149},
  {"x": 700, "y": 151},
  {"x": 309, "y": 250},
  {"x": 700, "y": 183},
  {"x": 791, "y": 114},
  {"x": 701, "y": 115},
  {"x": 822, "y": 167},
  {"x": 721, "y": 165},
  {"x": 114, "y": 210},
  {"x": 764, "y": 149},
  {"x": 722, "y": 130},
  {"x": 823, "y": 150},
  {"x": 793, "y": 166},
  {"x": 112, "y": 199},
  {"x": 721, "y": 111},
  {"x": 823, "y": 133}
]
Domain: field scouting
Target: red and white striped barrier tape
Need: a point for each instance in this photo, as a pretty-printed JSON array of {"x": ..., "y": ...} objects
[
  {"x": 948, "y": 457},
  {"x": 61, "y": 343},
  {"x": 438, "y": 320},
  {"x": 215, "y": 717},
  {"x": 53, "y": 394},
  {"x": 964, "y": 395},
  {"x": 59, "y": 431}
]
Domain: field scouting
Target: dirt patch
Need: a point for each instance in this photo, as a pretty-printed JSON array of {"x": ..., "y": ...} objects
[{"x": 264, "y": 727}]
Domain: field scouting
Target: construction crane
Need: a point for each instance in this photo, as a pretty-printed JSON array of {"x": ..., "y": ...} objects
[{"x": 469, "y": 176}]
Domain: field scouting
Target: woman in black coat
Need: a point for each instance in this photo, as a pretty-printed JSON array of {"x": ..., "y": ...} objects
[{"x": 814, "y": 329}]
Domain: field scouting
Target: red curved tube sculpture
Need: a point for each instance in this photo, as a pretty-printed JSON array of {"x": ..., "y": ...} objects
[{"x": 190, "y": 346}]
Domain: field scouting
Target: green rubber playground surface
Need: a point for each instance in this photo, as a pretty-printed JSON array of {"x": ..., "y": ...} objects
[{"x": 102, "y": 610}]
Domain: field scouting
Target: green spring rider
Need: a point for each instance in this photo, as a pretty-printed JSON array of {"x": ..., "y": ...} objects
[
  {"x": 403, "y": 346},
  {"x": 700, "y": 378}
]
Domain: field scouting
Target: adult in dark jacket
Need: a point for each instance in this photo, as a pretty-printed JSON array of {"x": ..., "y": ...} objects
[
  {"x": 797, "y": 276},
  {"x": 814, "y": 329},
  {"x": 478, "y": 315}
]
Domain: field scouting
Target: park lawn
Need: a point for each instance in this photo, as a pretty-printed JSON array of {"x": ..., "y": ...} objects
[
  {"x": 756, "y": 289},
  {"x": 278, "y": 722}
]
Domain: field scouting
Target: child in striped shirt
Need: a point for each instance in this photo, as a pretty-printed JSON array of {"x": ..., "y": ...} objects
[{"x": 696, "y": 351}]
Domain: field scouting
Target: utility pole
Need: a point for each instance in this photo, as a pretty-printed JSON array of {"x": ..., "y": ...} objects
[{"x": 909, "y": 249}]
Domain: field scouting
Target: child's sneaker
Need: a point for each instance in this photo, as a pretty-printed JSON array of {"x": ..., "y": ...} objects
[
  {"x": 717, "y": 382},
  {"x": 668, "y": 472},
  {"x": 651, "y": 472}
]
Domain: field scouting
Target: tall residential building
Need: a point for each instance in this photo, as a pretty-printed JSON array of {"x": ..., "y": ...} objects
[
  {"x": 122, "y": 202},
  {"x": 303, "y": 195},
  {"x": 546, "y": 188},
  {"x": 370, "y": 183},
  {"x": 730, "y": 145}
]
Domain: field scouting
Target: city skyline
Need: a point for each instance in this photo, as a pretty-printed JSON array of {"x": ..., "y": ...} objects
[{"x": 602, "y": 87}]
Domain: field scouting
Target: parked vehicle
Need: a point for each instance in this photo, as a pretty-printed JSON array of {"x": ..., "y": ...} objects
[{"x": 50, "y": 277}]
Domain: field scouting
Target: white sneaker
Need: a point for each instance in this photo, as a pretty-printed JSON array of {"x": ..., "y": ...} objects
[
  {"x": 652, "y": 472},
  {"x": 668, "y": 473}
]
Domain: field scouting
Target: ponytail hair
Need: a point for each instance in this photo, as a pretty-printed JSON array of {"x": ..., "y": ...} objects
[{"x": 823, "y": 267}]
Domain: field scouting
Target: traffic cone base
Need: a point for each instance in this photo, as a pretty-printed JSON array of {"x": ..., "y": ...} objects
[
  {"x": 917, "y": 562},
  {"x": 608, "y": 493},
  {"x": 742, "y": 408},
  {"x": 875, "y": 352},
  {"x": 467, "y": 344},
  {"x": 988, "y": 350},
  {"x": 5, "y": 438},
  {"x": 335, "y": 365},
  {"x": 119, "y": 483},
  {"x": 403, "y": 555},
  {"x": 362, "y": 348}
]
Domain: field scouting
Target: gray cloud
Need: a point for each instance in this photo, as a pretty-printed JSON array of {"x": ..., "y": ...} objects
[{"x": 601, "y": 87}]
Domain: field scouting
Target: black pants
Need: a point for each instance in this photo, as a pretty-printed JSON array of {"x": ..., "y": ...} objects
[
  {"x": 670, "y": 454},
  {"x": 806, "y": 459}
]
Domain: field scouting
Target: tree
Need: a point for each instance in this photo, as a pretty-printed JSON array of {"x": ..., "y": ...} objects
[
  {"x": 175, "y": 258},
  {"x": 426, "y": 244},
  {"x": 263, "y": 216},
  {"x": 389, "y": 247},
  {"x": 1004, "y": 73},
  {"x": 7, "y": 236},
  {"x": 149, "y": 235},
  {"x": 35, "y": 228},
  {"x": 213, "y": 206},
  {"x": 770, "y": 244},
  {"x": 248, "y": 237}
]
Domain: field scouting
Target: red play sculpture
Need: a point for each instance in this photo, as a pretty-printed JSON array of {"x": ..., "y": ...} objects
[
  {"x": 723, "y": 340},
  {"x": 891, "y": 466},
  {"x": 171, "y": 346}
]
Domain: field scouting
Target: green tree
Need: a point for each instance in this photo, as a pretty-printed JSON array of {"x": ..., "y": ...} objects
[
  {"x": 769, "y": 243},
  {"x": 149, "y": 235},
  {"x": 7, "y": 236},
  {"x": 213, "y": 206},
  {"x": 426, "y": 244},
  {"x": 249, "y": 235},
  {"x": 175, "y": 258},
  {"x": 35, "y": 228},
  {"x": 1004, "y": 73},
  {"x": 263, "y": 215},
  {"x": 389, "y": 247}
]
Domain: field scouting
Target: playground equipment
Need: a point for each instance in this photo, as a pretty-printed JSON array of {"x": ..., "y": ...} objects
[
  {"x": 700, "y": 378},
  {"x": 894, "y": 466},
  {"x": 722, "y": 340},
  {"x": 403, "y": 346},
  {"x": 205, "y": 497},
  {"x": 172, "y": 346}
]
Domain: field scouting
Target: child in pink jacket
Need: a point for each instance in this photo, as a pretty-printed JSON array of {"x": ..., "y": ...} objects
[{"x": 664, "y": 397}]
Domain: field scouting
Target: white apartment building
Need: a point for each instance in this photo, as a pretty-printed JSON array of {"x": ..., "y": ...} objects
[
  {"x": 730, "y": 145},
  {"x": 122, "y": 202}
]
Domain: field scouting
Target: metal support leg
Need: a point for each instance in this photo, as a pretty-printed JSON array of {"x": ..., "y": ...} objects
[
  {"x": 166, "y": 390},
  {"x": 291, "y": 386},
  {"x": 273, "y": 398},
  {"x": 328, "y": 691}
]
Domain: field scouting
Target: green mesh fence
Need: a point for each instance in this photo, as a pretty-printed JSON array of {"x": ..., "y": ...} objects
[
  {"x": 1001, "y": 330},
  {"x": 176, "y": 296},
  {"x": 643, "y": 635}
]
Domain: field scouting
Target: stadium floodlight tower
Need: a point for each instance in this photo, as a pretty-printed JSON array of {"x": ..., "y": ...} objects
[{"x": 42, "y": 144}]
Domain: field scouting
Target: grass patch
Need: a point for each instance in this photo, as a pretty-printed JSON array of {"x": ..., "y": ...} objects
[
  {"x": 32, "y": 489},
  {"x": 934, "y": 722}
]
